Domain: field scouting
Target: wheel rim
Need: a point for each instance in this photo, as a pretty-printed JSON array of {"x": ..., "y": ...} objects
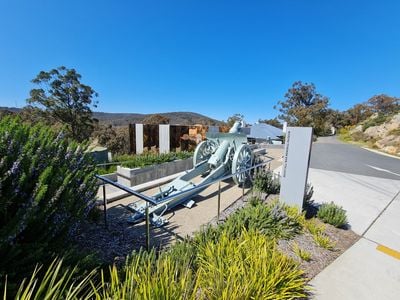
[
  {"x": 203, "y": 151},
  {"x": 242, "y": 160}
]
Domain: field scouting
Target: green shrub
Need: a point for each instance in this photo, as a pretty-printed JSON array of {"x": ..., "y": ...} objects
[
  {"x": 47, "y": 186},
  {"x": 378, "y": 120},
  {"x": 274, "y": 220},
  {"x": 332, "y": 214},
  {"x": 307, "y": 201},
  {"x": 309, "y": 207},
  {"x": 344, "y": 133},
  {"x": 102, "y": 170},
  {"x": 267, "y": 182},
  {"x": 142, "y": 160},
  {"x": 148, "y": 158}
]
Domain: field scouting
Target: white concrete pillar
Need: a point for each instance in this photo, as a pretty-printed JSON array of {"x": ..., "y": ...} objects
[
  {"x": 163, "y": 138},
  {"x": 139, "y": 138}
]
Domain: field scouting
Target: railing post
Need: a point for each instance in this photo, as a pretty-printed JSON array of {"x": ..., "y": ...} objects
[
  {"x": 219, "y": 200},
  {"x": 243, "y": 189},
  {"x": 147, "y": 227},
  {"x": 105, "y": 205}
]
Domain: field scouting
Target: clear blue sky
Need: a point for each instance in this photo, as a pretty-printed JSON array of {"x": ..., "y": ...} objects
[{"x": 212, "y": 57}]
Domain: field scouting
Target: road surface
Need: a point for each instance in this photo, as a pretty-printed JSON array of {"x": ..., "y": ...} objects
[
  {"x": 330, "y": 154},
  {"x": 366, "y": 185}
]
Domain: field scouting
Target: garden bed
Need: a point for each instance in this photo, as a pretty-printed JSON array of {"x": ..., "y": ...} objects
[
  {"x": 263, "y": 249},
  {"x": 320, "y": 257},
  {"x": 132, "y": 177},
  {"x": 114, "y": 244},
  {"x": 141, "y": 160}
]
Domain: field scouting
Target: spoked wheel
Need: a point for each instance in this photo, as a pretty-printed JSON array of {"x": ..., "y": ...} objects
[
  {"x": 203, "y": 151},
  {"x": 242, "y": 160}
]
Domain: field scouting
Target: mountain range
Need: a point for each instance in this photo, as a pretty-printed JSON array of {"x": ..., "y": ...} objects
[{"x": 122, "y": 119}]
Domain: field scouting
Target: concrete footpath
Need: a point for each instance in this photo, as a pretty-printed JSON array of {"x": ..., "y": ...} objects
[{"x": 370, "y": 269}]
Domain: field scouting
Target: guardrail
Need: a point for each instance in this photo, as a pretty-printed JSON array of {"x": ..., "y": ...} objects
[{"x": 152, "y": 201}]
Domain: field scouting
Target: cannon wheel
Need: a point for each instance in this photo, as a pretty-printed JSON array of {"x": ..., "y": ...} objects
[
  {"x": 203, "y": 151},
  {"x": 242, "y": 159}
]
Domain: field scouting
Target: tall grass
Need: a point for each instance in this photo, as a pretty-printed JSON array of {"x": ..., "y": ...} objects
[
  {"x": 324, "y": 241},
  {"x": 314, "y": 226},
  {"x": 301, "y": 253},
  {"x": 146, "y": 276},
  {"x": 57, "y": 283},
  {"x": 249, "y": 267}
]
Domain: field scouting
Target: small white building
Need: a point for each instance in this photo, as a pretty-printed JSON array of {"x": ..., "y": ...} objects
[{"x": 265, "y": 132}]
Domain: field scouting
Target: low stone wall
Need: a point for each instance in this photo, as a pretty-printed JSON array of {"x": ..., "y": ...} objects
[
  {"x": 110, "y": 176},
  {"x": 132, "y": 177}
]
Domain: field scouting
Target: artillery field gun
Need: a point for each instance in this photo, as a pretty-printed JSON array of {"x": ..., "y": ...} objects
[{"x": 219, "y": 155}]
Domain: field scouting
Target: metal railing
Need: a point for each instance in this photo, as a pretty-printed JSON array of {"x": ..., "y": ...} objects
[{"x": 151, "y": 200}]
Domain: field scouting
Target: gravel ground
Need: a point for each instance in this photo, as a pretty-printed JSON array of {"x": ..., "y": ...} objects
[{"x": 320, "y": 257}]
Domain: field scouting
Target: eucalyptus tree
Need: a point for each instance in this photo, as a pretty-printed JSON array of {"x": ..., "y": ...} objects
[{"x": 64, "y": 98}]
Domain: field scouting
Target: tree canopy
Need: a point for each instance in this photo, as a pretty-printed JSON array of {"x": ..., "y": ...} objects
[
  {"x": 303, "y": 106},
  {"x": 232, "y": 119},
  {"x": 273, "y": 122},
  {"x": 384, "y": 104},
  {"x": 66, "y": 99}
]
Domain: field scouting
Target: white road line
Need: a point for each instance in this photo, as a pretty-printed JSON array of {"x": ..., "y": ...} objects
[{"x": 383, "y": 170}]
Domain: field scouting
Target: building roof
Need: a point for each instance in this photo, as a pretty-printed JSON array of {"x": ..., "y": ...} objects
[{"x": 265, "y": 131}]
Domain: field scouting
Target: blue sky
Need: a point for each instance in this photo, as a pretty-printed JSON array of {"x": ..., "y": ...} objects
[{"x": 212, "y": 57}]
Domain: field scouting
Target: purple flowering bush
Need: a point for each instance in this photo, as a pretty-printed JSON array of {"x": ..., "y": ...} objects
[{"x": 47, "y": 186}]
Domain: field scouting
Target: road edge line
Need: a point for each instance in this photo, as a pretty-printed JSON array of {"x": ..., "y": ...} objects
[{"x": 381, "y": 153}]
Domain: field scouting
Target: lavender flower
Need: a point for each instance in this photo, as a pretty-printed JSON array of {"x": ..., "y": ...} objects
[
  {"x": 15, "y": 168},
  {"x": 59, "y": 137},
  {"x": 68, "y": 155}
]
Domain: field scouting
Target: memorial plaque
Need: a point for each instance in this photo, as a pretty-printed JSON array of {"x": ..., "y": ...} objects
[{"x": 295, "y": 165}]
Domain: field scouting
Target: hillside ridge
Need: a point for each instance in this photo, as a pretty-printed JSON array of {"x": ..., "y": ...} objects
[{"x": 122, "y": 119}]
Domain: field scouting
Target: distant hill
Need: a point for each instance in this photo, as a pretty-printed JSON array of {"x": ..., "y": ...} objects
[
  {"x": 178, "y": 118},
  {"x": 121, "y": 119},
  {"x": 11, "y": 109}
]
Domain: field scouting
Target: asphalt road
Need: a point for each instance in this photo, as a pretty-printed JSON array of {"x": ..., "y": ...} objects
[{"x": 330, "y": 154}]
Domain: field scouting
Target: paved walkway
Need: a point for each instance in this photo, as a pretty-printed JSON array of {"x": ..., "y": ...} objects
[
  {"x": 183, "y": 221},
  {"x": 370, "y": 269}
]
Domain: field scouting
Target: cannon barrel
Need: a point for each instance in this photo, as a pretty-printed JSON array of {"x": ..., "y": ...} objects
[
  {"x": 219, "y": 156},
  {"x": 236, "y": 127}
]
